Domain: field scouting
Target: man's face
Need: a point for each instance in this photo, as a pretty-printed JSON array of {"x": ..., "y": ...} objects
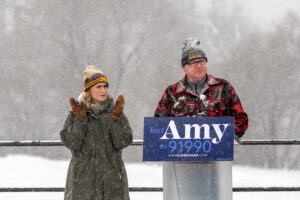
[{"x": 195, "y": 70}]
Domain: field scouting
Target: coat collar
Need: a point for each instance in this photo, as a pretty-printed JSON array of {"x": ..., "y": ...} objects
[
  {"x": 184, "y": 87},
  {"x": 105, "y": 107}
]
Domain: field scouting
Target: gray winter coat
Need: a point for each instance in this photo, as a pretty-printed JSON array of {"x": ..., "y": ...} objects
[{"x": 96, "y": 170}]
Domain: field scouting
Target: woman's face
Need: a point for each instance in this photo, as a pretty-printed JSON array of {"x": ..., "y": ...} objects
[{"x": 99, "y": 92}]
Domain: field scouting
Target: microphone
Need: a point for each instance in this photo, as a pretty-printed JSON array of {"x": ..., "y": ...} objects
[
  {"x": 180, "y": 102},
  {"x": 203, "y": 99}
]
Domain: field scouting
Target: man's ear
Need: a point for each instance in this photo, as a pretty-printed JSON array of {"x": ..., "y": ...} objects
[{"x": 184, "y": 68}]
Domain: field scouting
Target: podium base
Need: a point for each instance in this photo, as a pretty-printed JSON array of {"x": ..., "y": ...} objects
[{"x": 197, "y": 180}]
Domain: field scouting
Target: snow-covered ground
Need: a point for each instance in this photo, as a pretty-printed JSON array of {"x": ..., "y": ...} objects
[{"x": 27, "y": 171}]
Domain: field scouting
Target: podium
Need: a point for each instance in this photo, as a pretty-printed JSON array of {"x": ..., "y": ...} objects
[
  {"x": 197, "y": 181},
  {"x": 197, "y": 155}
]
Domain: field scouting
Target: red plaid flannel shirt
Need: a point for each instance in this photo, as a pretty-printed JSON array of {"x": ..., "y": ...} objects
[{"x": 221, "y": 100}]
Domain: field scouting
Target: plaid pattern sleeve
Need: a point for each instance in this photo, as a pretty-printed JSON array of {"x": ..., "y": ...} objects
[
  {"x": 166, "y": 102},
  {"x": 236, "y": 109}
]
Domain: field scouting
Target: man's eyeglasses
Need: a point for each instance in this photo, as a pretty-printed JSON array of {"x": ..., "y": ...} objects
[{"x": 195, "y": 62}]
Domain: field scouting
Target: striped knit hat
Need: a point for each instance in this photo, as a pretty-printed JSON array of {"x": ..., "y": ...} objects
[{"x": 92, "y": 76}]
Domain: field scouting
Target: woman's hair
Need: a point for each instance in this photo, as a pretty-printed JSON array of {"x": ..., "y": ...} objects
[{"x": 86, "y": 98}]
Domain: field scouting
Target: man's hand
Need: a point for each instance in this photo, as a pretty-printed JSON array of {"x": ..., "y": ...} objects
[
  {"x": 78, "y": 109},
  {"x": 119, "y": 106}
]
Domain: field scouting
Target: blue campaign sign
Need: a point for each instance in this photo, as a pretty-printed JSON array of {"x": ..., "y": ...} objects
[{"x": 188, "y": 138}]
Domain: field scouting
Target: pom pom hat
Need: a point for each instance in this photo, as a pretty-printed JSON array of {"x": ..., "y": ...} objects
[
  {"x": 191, "y": 51},
  {"x": 92, "y": 76}
]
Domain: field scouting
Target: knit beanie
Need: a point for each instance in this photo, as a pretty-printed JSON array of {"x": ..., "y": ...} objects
[
  {"x": 191, "y": 51},
  {"x": 92, "y": 76}
]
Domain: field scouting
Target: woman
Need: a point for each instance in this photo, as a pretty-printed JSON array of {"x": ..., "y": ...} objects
[{"x": 96, "y": 131}]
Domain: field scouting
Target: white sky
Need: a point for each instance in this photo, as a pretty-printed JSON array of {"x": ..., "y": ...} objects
[
  {"x": 269, "y": 11},
  {"x": 263, "y": 13}
]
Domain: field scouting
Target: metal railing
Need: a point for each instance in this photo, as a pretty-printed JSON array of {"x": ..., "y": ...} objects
[
  {"x": 157, "y": 189},
  {"x": 46, "y": 143},
  {"x": 151, "y": 189},
  {"x": 140, "y": 143}
]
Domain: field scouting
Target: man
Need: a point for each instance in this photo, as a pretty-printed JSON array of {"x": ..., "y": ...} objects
[{"x": 201, "y": 94}]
